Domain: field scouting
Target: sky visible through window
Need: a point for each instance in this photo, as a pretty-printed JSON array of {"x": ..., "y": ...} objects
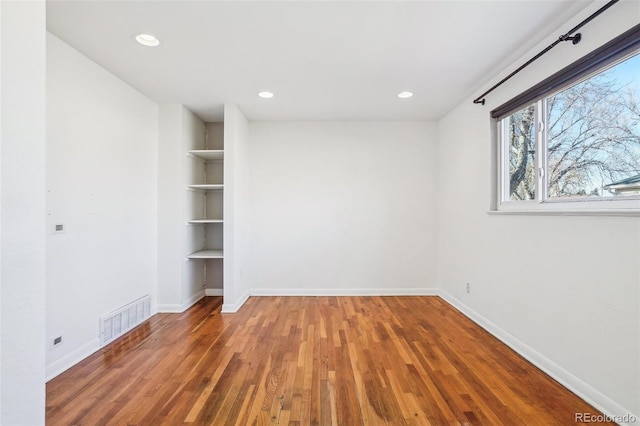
[{"x": 628, "y": 72}]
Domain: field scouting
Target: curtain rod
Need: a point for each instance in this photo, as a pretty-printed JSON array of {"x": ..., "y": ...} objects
[{"x": 575, "y": 39}]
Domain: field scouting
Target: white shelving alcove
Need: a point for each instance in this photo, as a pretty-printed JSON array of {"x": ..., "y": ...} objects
[{"x": 205, "y": 196}]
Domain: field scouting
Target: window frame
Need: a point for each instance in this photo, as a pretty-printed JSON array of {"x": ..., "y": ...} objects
[{"x": 608, "y": 55}]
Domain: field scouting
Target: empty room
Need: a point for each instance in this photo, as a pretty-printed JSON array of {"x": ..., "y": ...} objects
[{"x": 320, "y": 212}]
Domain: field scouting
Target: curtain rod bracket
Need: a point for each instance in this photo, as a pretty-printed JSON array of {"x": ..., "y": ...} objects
[{"x": 574, "y": 39}]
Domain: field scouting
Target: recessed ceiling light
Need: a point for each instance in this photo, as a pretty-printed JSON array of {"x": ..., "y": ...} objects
[
  {"x": 405, "y": 95},
  {"x": 147, "y": 40},
  {"x": 265, "y": 95}
]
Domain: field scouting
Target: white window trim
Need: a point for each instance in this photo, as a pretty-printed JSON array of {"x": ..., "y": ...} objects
[{"x": 626, "y": 206}]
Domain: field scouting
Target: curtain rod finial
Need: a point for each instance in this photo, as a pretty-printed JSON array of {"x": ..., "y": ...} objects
[{"x": 479, "y": 101}]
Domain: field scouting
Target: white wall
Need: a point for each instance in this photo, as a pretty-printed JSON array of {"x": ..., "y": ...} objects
[
  {"x": 22, "y": 208},
  {"x": 342, "y": 207},
  {"x": 101, "y": 184},
  {"x": 563, "y": 290},
  {"x": 237, "y": 208},
  {"x": 170, "y": 211},
  {"x": 193, "y": 277}
]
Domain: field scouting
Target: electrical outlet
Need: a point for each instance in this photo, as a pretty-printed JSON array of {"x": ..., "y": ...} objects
[
  {"x": 58, "y": 228},
  {"x": 468, "y": 288},
  {"x": 56, "y": 341}
]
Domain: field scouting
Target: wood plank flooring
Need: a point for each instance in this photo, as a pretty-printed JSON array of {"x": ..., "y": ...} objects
[{"x": 310, "y": 361}]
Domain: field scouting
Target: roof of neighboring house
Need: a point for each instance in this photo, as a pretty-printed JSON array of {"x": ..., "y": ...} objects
[{"x": 630, "y": 182}]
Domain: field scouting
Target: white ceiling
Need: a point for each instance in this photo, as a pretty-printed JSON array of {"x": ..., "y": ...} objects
[{"x": 324, "y": 60}]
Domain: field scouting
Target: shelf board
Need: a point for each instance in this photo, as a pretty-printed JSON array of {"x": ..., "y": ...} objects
[
  {"x": 207, "y": 186},
  {"x": 206, "y": 254},
  {"x": 208, "y": 154},
  {"x": 196, "y": 221}
]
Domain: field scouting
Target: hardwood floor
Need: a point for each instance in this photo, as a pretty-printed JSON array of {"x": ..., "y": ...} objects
[{"x": 310, "y": 360}]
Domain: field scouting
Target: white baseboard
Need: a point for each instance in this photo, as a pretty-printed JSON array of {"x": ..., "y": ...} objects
[
  {"x": 192, "y": 300},
  {"x": 178, "y": 309},
  {"x": 66, "y": 362},
  {"x": 592, "y": 396},
  {"x": 345, "y": 292},
  {"x": 230, "y": 308},
  {"x": 169, "y": 309},
  {"x": 213, "y": 292}
]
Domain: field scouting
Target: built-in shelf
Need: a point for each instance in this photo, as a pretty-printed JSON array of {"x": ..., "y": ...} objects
[
  {"x": 207, "y": 186},
  {"x": 206, "y": 254},
  {"x": 196, "y": 221},
  {"x": 208, "y": 154},
  {"x": 203, "y": 162}
]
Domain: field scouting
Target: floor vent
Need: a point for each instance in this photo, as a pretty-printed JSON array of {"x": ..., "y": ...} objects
[{"x": 118, "y": 322}]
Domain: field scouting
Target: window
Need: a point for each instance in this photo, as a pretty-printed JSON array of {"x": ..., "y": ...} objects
[
  {"x": 576, "y": 146},
  {"x": 520, "y": 135}
]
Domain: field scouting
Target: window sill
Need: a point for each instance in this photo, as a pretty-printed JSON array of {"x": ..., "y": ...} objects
[{"x": 567, "y": 212}]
